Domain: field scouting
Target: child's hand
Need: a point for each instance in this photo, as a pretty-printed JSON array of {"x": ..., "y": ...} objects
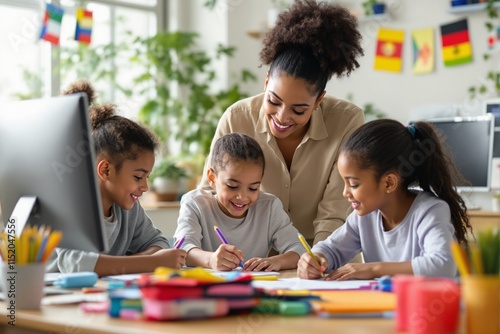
[
  {"x": 259, "y": 264},
  {"x": 172, "y": 258},
  {"x": 353, "y": 270},
  {"x": 226, "y": 257},
  {"x": 308, "y": 267}
]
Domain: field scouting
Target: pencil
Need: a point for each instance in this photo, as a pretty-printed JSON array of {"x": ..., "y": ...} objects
[
  {"x": 223, "y": 239},
  {"x": 179, "y": 242},
  {"x": 460, "y": 259},
  {"x": 476, "y": 260},
  {"x": 308, "y": 249}
]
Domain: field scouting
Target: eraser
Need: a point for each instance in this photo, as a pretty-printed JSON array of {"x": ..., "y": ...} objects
[{"x": 77, "y": 280}]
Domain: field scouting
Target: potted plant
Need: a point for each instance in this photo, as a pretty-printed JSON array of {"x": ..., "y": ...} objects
[
  {"x": 372, "y": 7},
  {"x": 177, "y": 76},
  {"x": 166, "y": 179}
]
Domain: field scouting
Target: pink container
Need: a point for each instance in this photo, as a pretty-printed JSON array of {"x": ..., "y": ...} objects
[
  {"x": 401, "y": 285},
  {"x": 434, "y": 306}
]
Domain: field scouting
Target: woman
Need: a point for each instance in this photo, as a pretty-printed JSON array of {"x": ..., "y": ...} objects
[{"x": 298, "y": 126}]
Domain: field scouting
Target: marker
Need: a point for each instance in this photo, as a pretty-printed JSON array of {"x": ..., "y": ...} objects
[
  {"x": 265, "y": 278},
  {"x": 223, "y": 239},
  {"x": 308, "y": 249},
  {"x": 178, "y": 243}
]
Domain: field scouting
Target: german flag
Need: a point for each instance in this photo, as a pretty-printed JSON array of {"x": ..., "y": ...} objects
[
  {"x": 455, "y": 42},
  {"x": 388, "y": 56}
]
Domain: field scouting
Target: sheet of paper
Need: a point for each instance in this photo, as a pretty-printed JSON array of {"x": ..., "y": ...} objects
[
  {"x": 305, "y": 284},
  {"x": 124, "y": 277}
]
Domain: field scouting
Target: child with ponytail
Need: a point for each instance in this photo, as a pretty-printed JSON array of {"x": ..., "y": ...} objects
[{"x": 399, "y": 229}]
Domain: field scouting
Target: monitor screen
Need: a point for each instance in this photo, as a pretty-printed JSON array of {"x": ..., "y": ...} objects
[
  {"x": 469, "y": 143},
  {"x": 46, "y": 150}
]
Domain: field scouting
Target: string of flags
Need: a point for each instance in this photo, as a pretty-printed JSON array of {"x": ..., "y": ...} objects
[
  {"x": 455, "y": 44},
  {"x": 52, "y": 20}
]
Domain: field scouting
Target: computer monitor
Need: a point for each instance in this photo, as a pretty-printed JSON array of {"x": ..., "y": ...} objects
[
  {"x": 469, "y": 143},
  {"x": 47, "y": 153}
]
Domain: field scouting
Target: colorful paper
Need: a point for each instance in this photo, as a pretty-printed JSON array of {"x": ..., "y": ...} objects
[
  {"x": 455, "y": 42},
  {"x": 51, "y": 27},
  {"x": 83, "y": 32},
  {"x": 423, "y": 50},
  {"x": 389, "y": 53}
]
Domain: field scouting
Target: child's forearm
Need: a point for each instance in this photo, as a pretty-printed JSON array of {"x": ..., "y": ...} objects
[
  {"x": 148, "y": 251},
  {"x": 392, "y": 268},
  {"x": 288, "y": 260},
  {"x": 116, "y": 265},
  {"x": 197, "y": 257}
]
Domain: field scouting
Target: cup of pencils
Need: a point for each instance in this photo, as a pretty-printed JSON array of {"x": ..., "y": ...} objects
[
  {"x": 22, "y": 271},
  {"x": 480, "y": 280}
]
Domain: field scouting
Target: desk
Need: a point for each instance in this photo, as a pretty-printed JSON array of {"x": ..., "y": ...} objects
[{"x": 69, "y": 319}]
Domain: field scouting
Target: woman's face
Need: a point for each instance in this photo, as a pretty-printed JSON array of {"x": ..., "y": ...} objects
[{"x": 288, "y": 104}]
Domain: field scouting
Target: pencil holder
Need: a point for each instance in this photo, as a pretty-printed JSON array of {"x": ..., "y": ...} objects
[
  {"x": 434, "y": 307},
  {"x": 22, "y": 285},
  {"x": 481, "y": 297}
]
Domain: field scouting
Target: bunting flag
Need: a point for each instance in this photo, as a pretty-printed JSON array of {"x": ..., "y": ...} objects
[
  {"x": 83, "y": 32},
  {"x": 455, "y": 43},
  {"x": 423, "y": 50},
  {"x": 389, "y": 52},
  {"x": 51, "y": 27}
]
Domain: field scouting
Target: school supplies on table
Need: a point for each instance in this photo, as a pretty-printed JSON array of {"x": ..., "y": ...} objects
[
  {"x": 308, "y": 249},
  {"x": 354, "y": 303},
  {"x": 170, "y": 294},
  {"x": 480, "y": 281},
  {"x": 484, "y": 257},
  {"x": 77, "y": 280},
  {"x": 223, "y": 239},
  {"x": 33, "y": 245}
]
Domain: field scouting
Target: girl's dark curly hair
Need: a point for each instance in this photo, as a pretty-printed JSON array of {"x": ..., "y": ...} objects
[
  {"x": 313, "y": 41},
  {"x": 119, "y": 137}
]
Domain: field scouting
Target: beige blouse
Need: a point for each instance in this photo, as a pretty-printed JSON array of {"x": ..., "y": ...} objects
[{"x": 311, "y": 192}]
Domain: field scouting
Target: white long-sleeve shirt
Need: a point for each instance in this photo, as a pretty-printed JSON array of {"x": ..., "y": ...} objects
[
  {"x": 423, "y": 237},
  {"x": 265, "y": 226}
]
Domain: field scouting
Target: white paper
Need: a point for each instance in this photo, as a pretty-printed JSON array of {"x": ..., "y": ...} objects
[{"x": 305, "y": 284}]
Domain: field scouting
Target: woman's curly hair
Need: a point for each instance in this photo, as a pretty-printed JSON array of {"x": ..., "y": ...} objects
[{"x": 313, "y": 41}]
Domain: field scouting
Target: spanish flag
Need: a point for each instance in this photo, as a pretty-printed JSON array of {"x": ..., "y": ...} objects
[
  {"x": 83, "y": 32},
  {"x": 455, "y": 43},
  {"x": 389, "y": 52}
]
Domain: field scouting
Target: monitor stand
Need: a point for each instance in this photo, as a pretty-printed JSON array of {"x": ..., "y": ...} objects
[{"x": 20, "y": 215}]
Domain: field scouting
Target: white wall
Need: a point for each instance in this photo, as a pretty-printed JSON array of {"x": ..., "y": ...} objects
[{"x": 394, "y": 93}]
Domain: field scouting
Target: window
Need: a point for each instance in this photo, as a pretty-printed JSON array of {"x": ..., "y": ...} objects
[{"x": 36, "y": 68}]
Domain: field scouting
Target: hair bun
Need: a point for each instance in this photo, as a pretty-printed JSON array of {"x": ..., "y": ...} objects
[
  {"x": 81, "y": 86},
  {"x": 100, "y": 112}
]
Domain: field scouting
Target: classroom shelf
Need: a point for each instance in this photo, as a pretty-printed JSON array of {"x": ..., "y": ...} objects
[{"x": 475, "y": 7}]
